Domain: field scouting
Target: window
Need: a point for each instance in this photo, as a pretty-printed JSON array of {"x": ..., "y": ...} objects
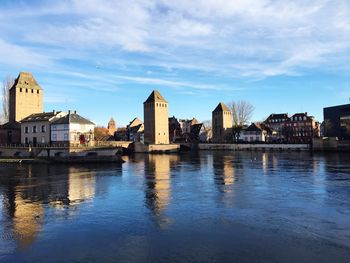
[
  {"x": 26, "y": 140},
  {"x": 20, "y": 90},
  {"x": 42, "y": 139},
  {"x": 66, "y": 136},
  {"x": 26, "y": 90},
  {"x": 34, "y": 129},
  {"x": 32, "y": 91},
  {"x": 26, "y": 130},
  {"x": 43, "y": 128},
  {"x": 37, "y": 91},
  {"x": 54, "y": 137},
  {"x": 54, "y": 127}
]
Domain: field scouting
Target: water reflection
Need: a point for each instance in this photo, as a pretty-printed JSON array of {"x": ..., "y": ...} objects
[
  {"x": 29, "y": 189},
  {"x": 158, "y": 185}
]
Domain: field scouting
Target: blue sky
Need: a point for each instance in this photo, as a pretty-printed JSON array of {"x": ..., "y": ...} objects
[{"x": 104, "y": 57}]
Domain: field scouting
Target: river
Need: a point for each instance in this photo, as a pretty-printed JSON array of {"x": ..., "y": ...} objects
[{"x": 193, "y": 207}]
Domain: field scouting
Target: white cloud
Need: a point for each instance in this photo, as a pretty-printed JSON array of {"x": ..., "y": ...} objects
[{"x": 242, "y": 38}]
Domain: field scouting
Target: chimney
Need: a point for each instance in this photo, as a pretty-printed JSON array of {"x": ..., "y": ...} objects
[
  {"x": 75, "y": 112},
  {"x": 54, "y": 112},
  {"x": 69, "y": 112}
]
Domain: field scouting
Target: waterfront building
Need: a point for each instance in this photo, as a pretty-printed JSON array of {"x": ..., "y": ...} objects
[
  {"x": 135, "y": 130},
  {"x": 256, "y": 133},
  {"x": 337, "y": 121},
  {"x": 199, "y": 133},
  {"x": 36, "y": 128},
  {"x": 175, "y": 131},
  {"x": 301, "y": 128},
  {"x": 187, "y": 124},
  {"x": 156, "y": 119},
  {"x": 72, "y": 130},
  {"x": 222, "y": 124},
  {"x": 25, "y": 98},
  {"x": 276, "y": 122},
  {"x": 112, "y": 127}
]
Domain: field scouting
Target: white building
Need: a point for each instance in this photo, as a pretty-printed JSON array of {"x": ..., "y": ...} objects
[
  {"x": 35, "y": 129},
  {"x": 255, "y": 133},
  {"x": 72, "y": 130}
]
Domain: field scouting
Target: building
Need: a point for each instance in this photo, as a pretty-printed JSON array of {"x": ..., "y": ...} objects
[
  {"x": 276, "y": 123},
  {"x": 112, "y": 127},
  {"x": 199, "y": 133},
  {"x": 175, "y": 131},
  {"x": 301, "y": 128},
  {"x": 222, "y": 124},
  {"x": 25, "y": 98},
  {"x": 187, "y": 124},
  {"x": 255, "y": 133},
  {"x": 135, "y": 130},
  {"x": 156, "y": 119},
  {"x": 72, "y": 130},
  {"x": 337, "y": 121},
  {"x": 35, "y": 129}
]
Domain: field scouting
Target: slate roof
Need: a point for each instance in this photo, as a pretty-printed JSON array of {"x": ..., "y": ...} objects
[
  {"x": 221, "y": 107},
  {"x": 45, "y": 116},
  {"x": 26, "y": 80},
  {"x": 278, "y": 116},
  {"x": 10, "y": 126},
  {"x": 155, "y": 97},
  {"x": 72, "y": 118}
]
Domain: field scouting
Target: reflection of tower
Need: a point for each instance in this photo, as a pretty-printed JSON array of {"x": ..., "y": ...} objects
[
  {"x": 156, "y": 119},
  {"x": 81, "y": 185},
  {"x": 224, "y": 170},
  {"x": 27, "y": 220},
  {"x": 159, "y": 185}
]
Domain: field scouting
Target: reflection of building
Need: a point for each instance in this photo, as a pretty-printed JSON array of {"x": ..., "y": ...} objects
[
  {"x": 25, "y": 98},
  {"x": 81, "y": 186},
  {"x": 337, "y": 121},
  {"x": 156, "y": 119},
  {"x": 72, "y": 129},
  {"x": 35, "y": 129},
  {"x": 158, "y": 183},
  {"x": 222, "y": 124}
]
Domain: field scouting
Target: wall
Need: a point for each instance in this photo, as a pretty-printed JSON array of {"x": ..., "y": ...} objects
[{"x": 238, "y": 147}]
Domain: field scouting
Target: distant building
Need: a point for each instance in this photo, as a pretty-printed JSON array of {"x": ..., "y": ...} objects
[
  {"x": 135, "y": 131},
  {"x": 255, "y": 133},
  {"x": 337, "y": 121},
  {"x": 121, "y": 134},
  {"x": 112, "y": 127},
  {"x": 276, "y": 122},
  {"x": 25, "y": 98},
  {"x": 222, "y": 124},
  {"x": 187, "y": 124},
  {"x": 301, "y": 128},
  {"x": 35, "y": 129},
  {"x": 175, "y": 131},
  {"x": 72, "y": 130},
  {"x": 156, "y": 119},
  {"x": 199, "y": 133}
]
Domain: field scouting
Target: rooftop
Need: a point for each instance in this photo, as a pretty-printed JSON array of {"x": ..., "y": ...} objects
[
  {"x": 26, "y": 80},
  {"x": 221, "y": 107},
  {"x": 155, "y": 97},
  {"x": 72, "y": 118},
  {"x": 45, "y": 116}
]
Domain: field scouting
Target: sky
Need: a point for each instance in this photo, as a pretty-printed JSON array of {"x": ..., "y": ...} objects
[{"x": 104, "y": 57}]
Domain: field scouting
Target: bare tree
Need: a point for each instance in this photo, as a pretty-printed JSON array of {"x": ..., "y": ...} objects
[
  {"x": 6, "y": 85},
  {"x": 242, "y": 112},
  {"x": 207, "y": 124}
]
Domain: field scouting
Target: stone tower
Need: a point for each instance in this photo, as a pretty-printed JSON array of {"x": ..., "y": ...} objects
[
  {"x": 222, "y": 124},
  {"x": 155, "y": 111},
  {"x": 26, "y": 97},
  {"x": 112, "y": 127}
]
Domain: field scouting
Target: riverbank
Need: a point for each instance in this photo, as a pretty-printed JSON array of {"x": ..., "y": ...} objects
[{"x": 70, "y": 159}]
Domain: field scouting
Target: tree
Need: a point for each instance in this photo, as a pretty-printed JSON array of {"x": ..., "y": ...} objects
[
  {"x": 6, "y": 85},
  {"x": 101, "y": 133},
  {"x": 242, "y": 112}
]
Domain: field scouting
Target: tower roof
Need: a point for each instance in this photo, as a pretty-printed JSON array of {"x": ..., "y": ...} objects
[
  {"x": 155, "y": 97},
  {"x": 221, "y": 107},
  {"x": 26, "y": 80}
]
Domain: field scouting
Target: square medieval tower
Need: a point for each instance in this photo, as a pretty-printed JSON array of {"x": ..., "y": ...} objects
[
  {"x": 26, "y": 97},
  {"x": 222, "y": 124},
  {"x": 155, "y": 111}
]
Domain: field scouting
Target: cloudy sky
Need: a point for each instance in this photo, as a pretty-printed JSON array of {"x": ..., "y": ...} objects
[{"x": 103, "y": 57}]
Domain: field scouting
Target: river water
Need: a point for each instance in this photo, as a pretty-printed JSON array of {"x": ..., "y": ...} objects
[{"x": 194, "y": 207}]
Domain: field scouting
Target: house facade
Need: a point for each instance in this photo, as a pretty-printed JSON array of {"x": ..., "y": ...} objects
[
  {"x": 72, "y": 130},
  {"x": 255, "y": 133},
  {"x": 276, "y": 122},
  {"x": 301, "y": 128},
  {"x": 135, "y": 131},
  {"x": 36, "y": 128},
  {"x": 337, "y": 121}
]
